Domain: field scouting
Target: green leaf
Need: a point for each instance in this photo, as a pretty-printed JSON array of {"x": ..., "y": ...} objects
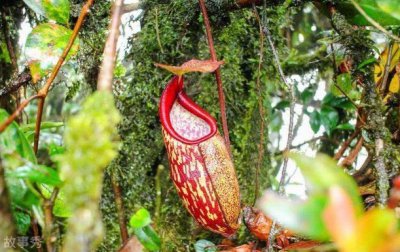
[
  {"x": 315, "y": 121},
  {"x": 36, "y": 174},
  {"x": 57, "y": 10},
  {"x": 345, "y": 126},
  {"x": 371, "y": 8},
  {"x": 322, "y": 173},
  {"x": 204, "y": 246},
  {"x": 276, "y": 121},
  {"x": 329, "y": 118},
  {"x": 307, "y": 95},
  {"x": 391, "y": 7},
  {"x": 44, "y": 125},
  {"x": 140, "y": 219},
  {"x": 61, "y": 208},
  {"x": 344, "y": 83},
  {"x": 302, "y": 217},
  {"x": 148, "y": 238},
  {"x": 366, "y": 63},
  {"x": 44, "y": 46},
  {"x": 20, "y": 193},
  {"x": 13, "y": 141},
  {"x": 22, "y": 221}
]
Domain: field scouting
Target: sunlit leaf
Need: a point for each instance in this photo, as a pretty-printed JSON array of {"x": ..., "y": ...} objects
[
  {"x": 394, "y": 86},
  {"x": 203, "y": 66},
  {"x": 36, "y": 174},
  {"x": 61, "y": 207},
  {"x": 57, "y": 10},
  {"x": 372, "y": 10},
  {"x": 43, "y": 125},
  {"x": 44, "y": 46},
  {"x": 204, "y": 246},
  {"x": 140, "y": 219},
  {"x": 383, "y": 58},
  {"x": 374, "y": 230},
  {"x": 301, "y": 217},
  {"x": 322, "y": 173},
  {"x": 391, "y": 7},
  {"x": 148, "y": 237},
  {"x": 344, "y": 84}
]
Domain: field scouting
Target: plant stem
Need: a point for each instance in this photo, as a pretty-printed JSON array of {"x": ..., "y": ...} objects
[
  {"x": 217, "y": 75},
  {"x": 7, "y": 226},
  {"x": 105, "y": 83}
]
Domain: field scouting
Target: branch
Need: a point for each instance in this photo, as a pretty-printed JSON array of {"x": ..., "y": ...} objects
[
  {"x": 373, "y": 22},
  {"x": 217, "y": 75},
  {"x": 22, "y": 79},
  {"x": 105, "y": 83}
]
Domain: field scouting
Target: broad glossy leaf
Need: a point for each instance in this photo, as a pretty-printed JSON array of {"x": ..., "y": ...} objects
[
  {"x": 205, "y": 246},
  {"x": 13, "y": 141},
  {"x": 148, "y": 237},
  {"x": 44, "y": 46},
  {"x": 345, "y": 126},
  {"x": 329, "y": 118},
  {"x": 344, "y": 84},
  {"x": 315, "y": 121},
  {"x": 140, "y": 219},
  {"x": 301, "y": 217},
  {"x": 57, "y": 10},
  {"x": 391, "y": 7},
  {"x": 36, "y": 174},
  {"x": 203, "y": 66},
  {"x": 322, "y": 173}
]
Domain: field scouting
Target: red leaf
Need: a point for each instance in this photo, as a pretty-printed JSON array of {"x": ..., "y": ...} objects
[
  {"x": 203, "y": 66},
  {"x": 257, "y": 223}
]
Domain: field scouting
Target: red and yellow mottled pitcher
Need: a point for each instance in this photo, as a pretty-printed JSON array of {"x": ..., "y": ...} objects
[{"x": 200, "y": 165}]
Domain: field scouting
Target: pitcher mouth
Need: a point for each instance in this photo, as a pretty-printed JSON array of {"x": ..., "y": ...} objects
[{"x": 173, "y": 95}]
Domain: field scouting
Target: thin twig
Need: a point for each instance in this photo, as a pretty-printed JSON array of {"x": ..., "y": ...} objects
[
  {"x": 51, "y": 237},
  {"x": 217, "y": 75},
  {"x": 260, "y": 107},
  {"x": 373, "y": 22},
  {"x": 292, "y": 100},
  {"x": 105, "y": 83},
  {"x": 17, "y": 112}
]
